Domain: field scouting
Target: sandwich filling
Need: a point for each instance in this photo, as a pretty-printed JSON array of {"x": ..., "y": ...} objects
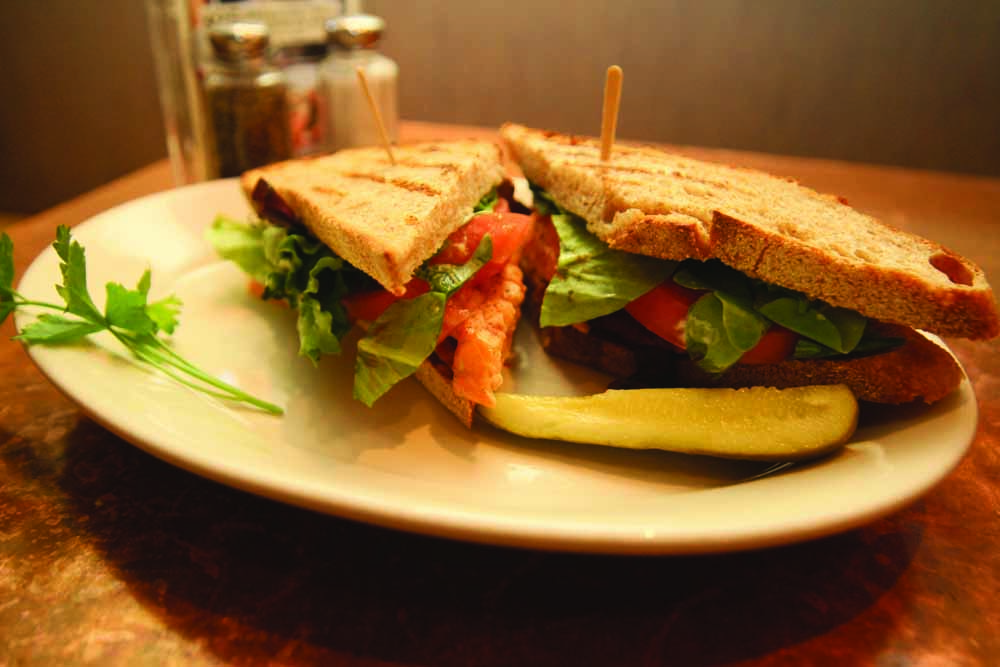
[
  {"x": 458, "y": 311},
  {"x": 717, "y": 315}
]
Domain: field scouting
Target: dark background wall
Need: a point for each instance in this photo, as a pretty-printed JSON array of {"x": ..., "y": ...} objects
[{"x": 903, "y": 82}]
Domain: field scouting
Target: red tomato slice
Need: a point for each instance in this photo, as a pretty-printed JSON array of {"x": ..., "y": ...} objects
[
  {"x": 542, "y": 254},
  {"x": 367, "y": 306},
  {"x": 255, "y": 289},
  {"x": 508, "y": 232},
  {"x": 774, "y": 347},
  {"x": 663, "y": 310}
]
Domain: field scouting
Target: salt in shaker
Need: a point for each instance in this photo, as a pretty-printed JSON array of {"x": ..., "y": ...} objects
[{"x": 352, "y": 41}]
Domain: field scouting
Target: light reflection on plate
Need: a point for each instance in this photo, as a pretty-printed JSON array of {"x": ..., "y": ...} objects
[{"x": 407, "y": 463}]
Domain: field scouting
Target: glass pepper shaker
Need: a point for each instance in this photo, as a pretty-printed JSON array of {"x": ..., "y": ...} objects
[
  {"x": 246, "y": 97},
  {"x": 352, "y": 41}
]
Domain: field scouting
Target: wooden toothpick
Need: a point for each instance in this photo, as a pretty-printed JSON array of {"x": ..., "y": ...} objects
[
  {"x": 376, "y": 115},
  {"x": 609, "y": 117}
]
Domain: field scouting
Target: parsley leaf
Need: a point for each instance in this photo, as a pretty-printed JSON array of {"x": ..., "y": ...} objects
[
  {"x": 7, "y": 304},
  {"x": 127, "y": 316},
  {"x": 56, "y": 329},
  {"x": 165, "y": 313},
  {"x": 6, "y": 266},
  {"x": 74, "y": 272}
]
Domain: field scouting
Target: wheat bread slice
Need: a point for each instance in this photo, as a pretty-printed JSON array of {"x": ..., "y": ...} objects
[
  {"x": 384, "y": 219},
  {"x": 435, "y": 375},
  {"x": 647, "y": 201}
]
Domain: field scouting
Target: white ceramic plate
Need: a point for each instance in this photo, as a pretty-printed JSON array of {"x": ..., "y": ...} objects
[{"x": 407, "y": 463}]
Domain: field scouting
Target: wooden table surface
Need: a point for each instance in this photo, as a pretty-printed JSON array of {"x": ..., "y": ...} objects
[{"x": 109, "y": 556}]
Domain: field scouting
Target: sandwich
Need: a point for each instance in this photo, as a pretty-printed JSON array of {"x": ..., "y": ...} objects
[
  {"x": 421, "y": 255},
  {"x": 663, "y": 270}
]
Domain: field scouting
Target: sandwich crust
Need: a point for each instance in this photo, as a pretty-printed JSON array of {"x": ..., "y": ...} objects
[
  {"x": 436, "y": 376},
  {"x": 649, "y": 202},
  {"x": 384, "y": 219}
]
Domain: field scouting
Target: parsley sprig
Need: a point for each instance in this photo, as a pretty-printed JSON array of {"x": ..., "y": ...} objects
[{"x": 128, "y": 316}]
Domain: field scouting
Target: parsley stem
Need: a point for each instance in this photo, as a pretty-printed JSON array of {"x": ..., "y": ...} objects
[
  {"x": 164, "y": 358},
  {"x": 40, "y": 304}
]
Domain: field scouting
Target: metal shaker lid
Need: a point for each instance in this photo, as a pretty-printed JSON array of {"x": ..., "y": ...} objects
[
  {"x": 239, "y": 40},
  {"x": 354, "y": 31}
]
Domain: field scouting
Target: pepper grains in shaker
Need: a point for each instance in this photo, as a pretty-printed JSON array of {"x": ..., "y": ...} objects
[{"x": 246, "y": 97}]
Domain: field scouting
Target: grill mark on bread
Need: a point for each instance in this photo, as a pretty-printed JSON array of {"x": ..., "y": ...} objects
[
  {"x": 688, "y": 181},
  {"x": 327, "y": 190},
  {"x": 445, "y": 168},
  {"x": 411, "y": 186}
]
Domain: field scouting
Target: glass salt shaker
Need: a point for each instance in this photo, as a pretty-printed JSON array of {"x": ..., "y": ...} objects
[
  {"x": 246, "y": 97},
  {"x": 352, "y": 41}
]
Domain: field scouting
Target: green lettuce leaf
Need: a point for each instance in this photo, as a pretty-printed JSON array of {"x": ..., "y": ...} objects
[
  {"x": 720, "y": 329},
  {"x": 396, "y": 344},
  {"x": 243, "y": 245},
  {"x": 592, "y": 279},
  {"x": 543, "y": 202},
  {"x": 714, "y": 276},
  {"x": 487, "y": 203},
  {"x": 868, "y": 345},
  {"x": 298, "y": 269},
  {"x": 836, "y": 328}
]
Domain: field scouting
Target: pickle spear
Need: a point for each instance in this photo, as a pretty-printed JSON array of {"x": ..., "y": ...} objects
[{"x": 758, "y": 423}]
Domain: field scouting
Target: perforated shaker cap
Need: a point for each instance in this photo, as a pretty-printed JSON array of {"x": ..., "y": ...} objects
[
  {"x": 354, "y": 31},
  {"x": 239, "y": 40}
]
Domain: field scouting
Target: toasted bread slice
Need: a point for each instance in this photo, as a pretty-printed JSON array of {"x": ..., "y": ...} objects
[
  {"x": 646, "y": 201},
  {"x": 384, "y": 219},
  {"x": 435, "y": 375}
]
